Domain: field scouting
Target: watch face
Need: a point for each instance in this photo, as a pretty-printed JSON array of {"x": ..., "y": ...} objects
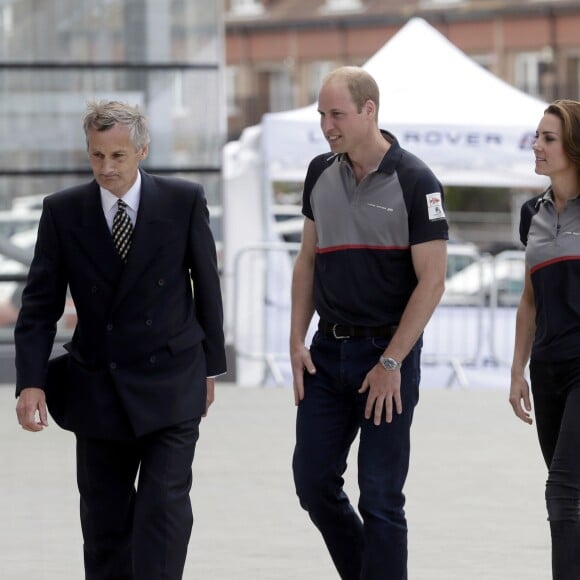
[{"x": 389, "y": 363}]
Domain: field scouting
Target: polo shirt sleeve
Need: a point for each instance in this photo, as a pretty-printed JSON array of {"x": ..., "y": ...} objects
[
  {"x": 527, "y": 212},
  {"x": 426, "y": 207},
  {"x": 315, "y": 169}
]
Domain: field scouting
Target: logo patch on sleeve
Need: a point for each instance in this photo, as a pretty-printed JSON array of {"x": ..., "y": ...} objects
[{"x": 435, "y": 206}]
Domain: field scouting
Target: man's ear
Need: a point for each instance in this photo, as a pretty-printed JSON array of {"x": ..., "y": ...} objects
[
  {"x": 370, "y": 108},
  {"x": 144, "y": 152}
]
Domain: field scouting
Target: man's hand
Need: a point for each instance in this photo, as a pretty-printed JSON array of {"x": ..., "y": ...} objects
[
  {"x": 384, "y": 389},
  {"x": 520, "y": 398},
  {"x": 210, "y": 397},
  {"x": 301, "y": 359},
  {"x": 31, "y": 409}
]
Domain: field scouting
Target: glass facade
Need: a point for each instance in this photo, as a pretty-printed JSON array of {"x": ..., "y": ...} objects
[{"x": 56, "y": 55}]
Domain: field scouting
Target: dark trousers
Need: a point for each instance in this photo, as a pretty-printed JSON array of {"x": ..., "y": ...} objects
[
  {"x": 556, "y": 392},
  {"x": 137, "y": 532},
  {"x": 371, "y": 546}
]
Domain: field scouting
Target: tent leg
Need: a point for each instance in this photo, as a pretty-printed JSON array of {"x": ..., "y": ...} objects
[
  {"x": 275, "y": 371},
  {"x": 458, "y": 373}
]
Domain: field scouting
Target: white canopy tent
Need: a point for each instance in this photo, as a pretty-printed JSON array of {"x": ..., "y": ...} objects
[{"x": 469, "y": 126}]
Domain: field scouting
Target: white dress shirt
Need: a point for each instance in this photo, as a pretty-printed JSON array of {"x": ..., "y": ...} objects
[{"x": 131, "y": 198}]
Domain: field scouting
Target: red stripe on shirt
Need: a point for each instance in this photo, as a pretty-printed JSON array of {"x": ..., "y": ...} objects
[
  {"x": 553, "y": 261},
  {"x": 357, "y": 247}
]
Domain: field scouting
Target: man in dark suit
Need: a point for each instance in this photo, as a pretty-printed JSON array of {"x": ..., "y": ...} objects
[{"x": 138, "y": 375}]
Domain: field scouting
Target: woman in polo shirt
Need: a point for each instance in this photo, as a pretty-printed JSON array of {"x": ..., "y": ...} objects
[{"x": 548, "y": 327}]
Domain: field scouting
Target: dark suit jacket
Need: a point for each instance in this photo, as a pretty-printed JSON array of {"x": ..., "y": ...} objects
[{"x": 144, "y": 342}]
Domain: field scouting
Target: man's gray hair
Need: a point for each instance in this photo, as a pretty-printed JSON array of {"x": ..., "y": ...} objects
[{"x": 103, "y": 115}]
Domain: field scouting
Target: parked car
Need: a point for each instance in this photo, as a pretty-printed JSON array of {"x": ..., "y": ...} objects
[
  {"x": 491, "y": 280},
  {"x": 13, "y": 247},
  {"x": 14, "y": 261},
  {"x": 459, "y": 256}
]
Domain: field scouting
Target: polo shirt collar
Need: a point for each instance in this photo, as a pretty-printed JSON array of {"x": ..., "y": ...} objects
[
  {"x": 391, "y": 159},
  {"x": 393, "y": 156}
]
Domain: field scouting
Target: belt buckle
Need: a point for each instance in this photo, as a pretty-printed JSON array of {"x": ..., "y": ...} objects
[{"x": 338, "y": 336}]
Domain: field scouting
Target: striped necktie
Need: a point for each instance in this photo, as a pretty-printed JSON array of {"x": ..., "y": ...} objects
[{"x": 122, "y": 230}]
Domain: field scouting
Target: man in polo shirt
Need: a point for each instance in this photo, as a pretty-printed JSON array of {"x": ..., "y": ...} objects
[{"x": 372, "y": 265}]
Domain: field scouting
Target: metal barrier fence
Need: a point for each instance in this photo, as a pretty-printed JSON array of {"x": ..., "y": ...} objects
[
  {"x": 261, "y": 312},
  {"x": 11, "y": 286},
  {"x": 473, "y": 326}
]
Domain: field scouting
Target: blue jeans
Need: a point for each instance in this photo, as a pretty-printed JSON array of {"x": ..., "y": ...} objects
[{"x": 371, "y": 546}]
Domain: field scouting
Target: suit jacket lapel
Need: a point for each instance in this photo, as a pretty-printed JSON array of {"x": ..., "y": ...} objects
[
  {"x": 94, "y": 237},
  {"x": 147, "y": 235}
]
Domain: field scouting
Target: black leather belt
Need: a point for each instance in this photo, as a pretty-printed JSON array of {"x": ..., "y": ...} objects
[{"x": 344, "y": 331}]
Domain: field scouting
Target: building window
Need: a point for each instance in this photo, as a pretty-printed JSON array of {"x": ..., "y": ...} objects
[
  {"x": 341, "y": 5},
  {"x": 535, "y": 73},
  {"x": 571, "y": 89},
  {"x": 246, "y": 7},
  {"x": 316, "y": 73},
  {"x": 527, "y": 72},
  {"x": 439, "y": 3},
  {"x": 232, "y": 73},
  {"x": 281, "y": 91},
  {"x": 6, "y": 19},
  {"x": 483, "y": 60}
]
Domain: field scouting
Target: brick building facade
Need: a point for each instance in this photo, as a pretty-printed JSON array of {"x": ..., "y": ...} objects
[{"x": 277, "y": 51}]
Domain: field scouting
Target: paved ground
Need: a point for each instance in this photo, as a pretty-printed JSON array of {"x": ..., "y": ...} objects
[{"x": 474, "y": 495}]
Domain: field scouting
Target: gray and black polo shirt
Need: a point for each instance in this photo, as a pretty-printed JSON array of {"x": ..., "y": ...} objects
[
  {"x": 363, "y": 273},
  {"x": 553, "y": 256}
]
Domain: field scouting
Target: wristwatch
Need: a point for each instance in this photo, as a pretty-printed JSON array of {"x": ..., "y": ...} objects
[{"x": 389, "y": 364}]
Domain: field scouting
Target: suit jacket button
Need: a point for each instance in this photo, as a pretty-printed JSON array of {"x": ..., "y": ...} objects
[
  {"x": 109, "y": 327},
  {"x": 149, "y": 322},
  {"x": 160, "y": 282},
  {"x": 153, "y": 359},
  {"x": 112, "y": 366}
]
